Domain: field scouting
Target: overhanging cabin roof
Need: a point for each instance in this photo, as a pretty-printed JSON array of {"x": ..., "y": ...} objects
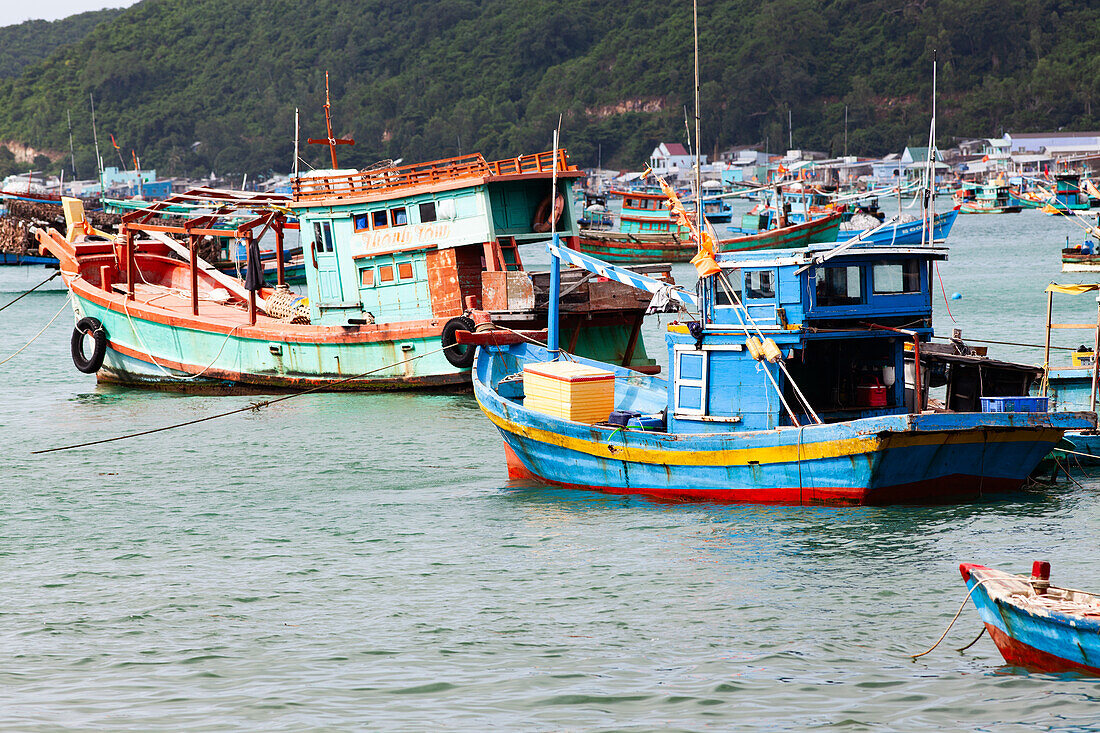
[{"x": 451, "y": 173}]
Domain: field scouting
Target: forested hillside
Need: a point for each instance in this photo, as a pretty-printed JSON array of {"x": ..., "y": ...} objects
[
  {"x": 34, "y": 40},
  {"x": 209, "y": 85}
]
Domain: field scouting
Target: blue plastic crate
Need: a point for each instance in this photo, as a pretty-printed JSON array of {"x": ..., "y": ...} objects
[{"x": 1014, "y": 404}]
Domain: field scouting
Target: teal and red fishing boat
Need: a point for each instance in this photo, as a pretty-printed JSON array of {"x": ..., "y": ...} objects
[
  {"x": 395, "y": 259},
  {"x": 787, "y": 386},
  {"x": 646, "y": 233},
  {"x": 822, "y": 229},
  {"x": 1034, "y": 624}
]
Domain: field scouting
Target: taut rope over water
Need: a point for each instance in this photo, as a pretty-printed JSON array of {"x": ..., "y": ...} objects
[
  {"x": 252, "y": 407},
  {"x": 36, "y": 287}
]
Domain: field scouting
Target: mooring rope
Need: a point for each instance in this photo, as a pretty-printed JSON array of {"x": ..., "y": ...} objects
[
  {"x": 253, "y": 407},
  {"x": 36, "y": 287},
  {"x": 956, "y": 618},
  {"x": 35, "y": 337}
]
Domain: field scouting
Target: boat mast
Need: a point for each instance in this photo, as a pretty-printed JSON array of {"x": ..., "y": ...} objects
[
  {"x": 72, "y": 150},
  {"x": 929, "y": 213},
  {"x": 555, "y": 261},
  {"x": 98, "y": 157},
  {"x": 296, "y": 138},
  {"x": 703, "y": 290}
]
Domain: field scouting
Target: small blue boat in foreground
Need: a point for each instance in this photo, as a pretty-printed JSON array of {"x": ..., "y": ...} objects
[
  {"x": 1034, "y": 624},
  {"x": 788, "y": 386}
]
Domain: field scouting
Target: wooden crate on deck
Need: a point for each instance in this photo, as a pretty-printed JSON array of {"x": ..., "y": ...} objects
[{"x": 569, "y": 391}]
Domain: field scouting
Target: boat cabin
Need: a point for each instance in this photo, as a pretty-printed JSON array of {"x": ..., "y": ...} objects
[
  {"x": 841, "y": 319},
  {"x": 410, "y": 243},
  {"x": 645, "y": 211}
]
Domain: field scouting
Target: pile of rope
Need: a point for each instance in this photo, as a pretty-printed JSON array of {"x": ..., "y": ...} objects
[{"x": 286, "y": 306}]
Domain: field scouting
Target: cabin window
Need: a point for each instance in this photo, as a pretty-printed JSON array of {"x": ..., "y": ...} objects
[
  {"x": 322, "y": 237},
  {"x": 759, "y": 284},
  {"x": 368, "y": 277},
  {"x": 385, "y": 273},
  {"x": 427, "y": 212},
  {"x": 398, "y": 217},
  {"x": 896, "y": 277},
  {"x": 378, "y": 219},
  {"x": 362, "y": 222},
  {"x": 628, "y": 203},
  {"x": 405, "y": 270},
  {"x": 724, "y": 297},
  {"x": 838, "y": 286}
]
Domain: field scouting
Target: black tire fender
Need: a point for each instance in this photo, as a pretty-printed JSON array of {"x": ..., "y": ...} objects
[
  {"x": 89, "y": 326},
  {"x": 462, "y": 355}
]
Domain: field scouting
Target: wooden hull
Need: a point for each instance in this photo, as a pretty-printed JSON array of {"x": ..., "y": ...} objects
[
  {"x": 977, "y": 208},
  {"x": 155, "y": 340},
  {"x": 908, "y": 233},
  {"x": 799, "y": 235},
  {"x": 1027, "y": 634},
  {"x": 636, "y": 249},
  {"x": 878, "y": 460}
]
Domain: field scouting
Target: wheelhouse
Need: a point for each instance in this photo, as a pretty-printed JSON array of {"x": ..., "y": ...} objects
[{"x": 844, "y": 323}]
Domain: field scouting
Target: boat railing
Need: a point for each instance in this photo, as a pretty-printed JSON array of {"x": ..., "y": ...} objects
[{"x": 388, "y": 179}]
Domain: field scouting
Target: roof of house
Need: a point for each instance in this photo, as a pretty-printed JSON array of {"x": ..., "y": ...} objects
[
  {"x": 676, "y": 149},
  {"x": 1035, "y": 135}
]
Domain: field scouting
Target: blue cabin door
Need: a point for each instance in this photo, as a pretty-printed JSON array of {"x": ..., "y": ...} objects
[{"x": 328, "y": 271}]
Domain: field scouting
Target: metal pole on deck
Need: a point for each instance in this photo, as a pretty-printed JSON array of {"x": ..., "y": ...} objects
[
  {"x": 1095, "y": 361},
  {"x": 280, "y": 267},
  {"x": 555, "y": 263},
  {"x": 1046, "y": 345},
  {"x": 193, "y": 242}
]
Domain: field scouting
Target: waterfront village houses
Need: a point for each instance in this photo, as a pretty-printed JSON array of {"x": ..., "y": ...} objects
[{"x": 672, "y": 160}]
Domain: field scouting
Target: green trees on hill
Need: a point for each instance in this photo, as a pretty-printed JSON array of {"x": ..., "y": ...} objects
[{"x": 212, "y": 85}]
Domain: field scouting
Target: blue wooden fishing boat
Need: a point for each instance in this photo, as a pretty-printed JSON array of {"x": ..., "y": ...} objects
[
  {"x": 1034, "y": 624},
  {"x": 909, "y": 232},
  {"x": 787, "y": 386}
]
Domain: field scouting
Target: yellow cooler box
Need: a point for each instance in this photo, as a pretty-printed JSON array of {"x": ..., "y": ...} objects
[{"x": 569, "y": 390}]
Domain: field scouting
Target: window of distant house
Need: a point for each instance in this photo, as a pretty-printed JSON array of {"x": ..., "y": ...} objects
[
  {"x": 427, "y": 212},
  {"x": 399, "y": 217},
  {"x": 405, "y": 270},
  {"x": 759, "y": 284},
  {"x": 385, "y": 273},
  {"x": 379, "y": 220},
  {"x": 839, "y": 286},
  {"x": 896, "y": 277},
  {"x": 368, "y": 277},
  {"x": 362, "y": 222}
]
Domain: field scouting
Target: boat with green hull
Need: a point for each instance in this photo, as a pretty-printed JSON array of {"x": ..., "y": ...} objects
[{"x": 395, "y": 260}]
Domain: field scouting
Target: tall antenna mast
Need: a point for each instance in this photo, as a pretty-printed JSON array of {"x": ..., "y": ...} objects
[
  {"x": 98, "y": 157},
  {"x": 929, "y": 213},
  {"x": 72, "y": 151},
  {"x": 296, "y": 138},
  {"x": 698, "y": 170},
  {"x": 331, "y": 141}
]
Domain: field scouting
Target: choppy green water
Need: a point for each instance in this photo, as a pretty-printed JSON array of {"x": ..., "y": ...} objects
[{"x": 361, "y": 562}]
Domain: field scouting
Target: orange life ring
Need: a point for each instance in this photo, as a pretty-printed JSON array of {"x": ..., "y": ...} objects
[{"x": 542, "y": 221}]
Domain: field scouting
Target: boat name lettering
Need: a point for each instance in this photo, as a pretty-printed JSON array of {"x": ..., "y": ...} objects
[{"x": 415, "y": 234}]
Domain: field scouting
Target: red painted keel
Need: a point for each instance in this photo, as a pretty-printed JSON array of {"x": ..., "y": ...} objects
[{"x": 1018, "y": 654}]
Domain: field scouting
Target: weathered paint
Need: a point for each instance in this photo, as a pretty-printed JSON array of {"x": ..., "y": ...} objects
[
  {"x": 1028, "y": 636},
  {"x": 873, "y": 460}
]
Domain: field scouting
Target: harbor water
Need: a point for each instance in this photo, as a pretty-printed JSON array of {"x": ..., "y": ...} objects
[{"x": 361, "y": 562}]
